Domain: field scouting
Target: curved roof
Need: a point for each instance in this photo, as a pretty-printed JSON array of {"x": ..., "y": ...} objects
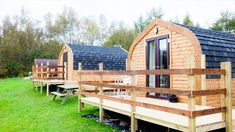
[
  {"x": 113, "y": 58},
  {"x": 171, "y": 26},
  {"x": 216, "y": 45}
]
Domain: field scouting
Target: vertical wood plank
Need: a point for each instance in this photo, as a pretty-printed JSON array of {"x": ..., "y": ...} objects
[
  {"x": 48, "y": 85},
  {"x": 101, "y": 92},
  {"x": 42, "y": 77},
  {"x": 170, "y": 63},
  {"x": 222, "y": 85},
  {"x": 80, "y": 87},
  {"x": 228, "y": 96},
  {"x": 37, "y": 77},
  {"x": 47, "y": 77},
  {"x": 134, "y": 121},
  {"x": 33, "y": 73},
  {"x": 48, "y": 70},
  {"x": 203, "y": 79},
  {"x": 191, "y": 99}
]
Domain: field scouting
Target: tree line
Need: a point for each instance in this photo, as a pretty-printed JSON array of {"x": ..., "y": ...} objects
[{"x": 23, "y": 39}]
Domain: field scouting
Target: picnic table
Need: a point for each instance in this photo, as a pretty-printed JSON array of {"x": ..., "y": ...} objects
[{"x": 69, "y": 90}]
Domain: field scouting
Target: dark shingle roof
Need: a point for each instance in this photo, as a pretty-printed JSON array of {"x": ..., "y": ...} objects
[
  {"x": 216, "y": 45},
  {"x": 90, "y": 57}
]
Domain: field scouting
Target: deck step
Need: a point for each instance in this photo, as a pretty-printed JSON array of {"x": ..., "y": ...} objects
[{"x": 58, "y": 94}]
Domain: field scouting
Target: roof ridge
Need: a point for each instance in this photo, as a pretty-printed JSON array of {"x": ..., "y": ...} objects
[
  {"x": 221, "y": 38},
  {"x": 100, "y": 46},
  {"x": 187, "y": 26}
]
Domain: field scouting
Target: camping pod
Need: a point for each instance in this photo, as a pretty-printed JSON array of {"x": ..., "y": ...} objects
[
  {"x": 113, "y": 58},
  {"x": 165, "y": 45}
]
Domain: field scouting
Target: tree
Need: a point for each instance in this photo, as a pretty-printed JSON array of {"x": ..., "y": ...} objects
[
  {"x": 226, "y": 22},
  {"x": 140, "y": 25},
  {"x": 90, "y": 31},
  {"x": 49, "y": 27},
  {"x": 21, "y": 41},
  {"x": 121, "y": 36},
  {"x": 104, "y": 29},
  {"x": 64, "y": 28},
  {"x": 188, "y": 21},
  {"x": 175, "y": 20},
  {"x": 153, "y": 14},
  {"x": 142, "y": 22}
]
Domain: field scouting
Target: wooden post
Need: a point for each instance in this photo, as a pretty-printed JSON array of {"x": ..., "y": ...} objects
[
  {"x": 191, "y": 99},
  {"x": 226, "y": 81},
  {"x": 33, "y": 69},
  {"x": 37, "y": 77},
  {"x": 80, "y": 87},
  {"x": 203, "y": 79},
  {"x": 222, "y": 84},
  {"x": 134, "y": 121},
  {"x": 42, "y": 72},
  {"x": 48, "y": 70},
  {"x": 101, "y": 92},
  {"x": 65, "y": 71},
  {"x": 47, "y": 77}
]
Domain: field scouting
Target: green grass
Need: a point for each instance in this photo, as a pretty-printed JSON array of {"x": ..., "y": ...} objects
[{"x": 23, "y": 109}]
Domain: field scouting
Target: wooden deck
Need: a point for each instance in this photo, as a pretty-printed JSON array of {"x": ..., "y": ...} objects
[
  {"x": 48, "y": 75},
  {"x": 40, "y": 83},
  {"x": 174, "y": 121},
  {"x": 179, "y": 116}
]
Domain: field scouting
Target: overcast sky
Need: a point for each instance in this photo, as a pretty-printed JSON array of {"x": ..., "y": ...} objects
[{"x": 202, "y": 11}]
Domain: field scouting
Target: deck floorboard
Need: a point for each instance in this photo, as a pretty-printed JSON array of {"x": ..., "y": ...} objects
[{"x": 208, "y": 122}]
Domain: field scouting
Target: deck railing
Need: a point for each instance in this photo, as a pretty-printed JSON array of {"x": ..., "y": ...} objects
[
  {"x": 45, "y": 73},
  {"x": 48, "y": 72},
  {"x": 191, "y": 93}
]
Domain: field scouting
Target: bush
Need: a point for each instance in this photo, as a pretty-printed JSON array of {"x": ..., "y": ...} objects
[
  {"x": 3, "y": 72},
  {"x": 20, "y": 75},
  {"x": 14, "y": 68}
]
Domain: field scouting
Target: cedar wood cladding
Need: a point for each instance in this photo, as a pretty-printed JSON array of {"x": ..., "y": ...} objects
[{"x": 184, "y": 42}]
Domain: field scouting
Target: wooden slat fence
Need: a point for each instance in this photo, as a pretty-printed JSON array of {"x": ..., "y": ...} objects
[{"x": 191, "y": 113}]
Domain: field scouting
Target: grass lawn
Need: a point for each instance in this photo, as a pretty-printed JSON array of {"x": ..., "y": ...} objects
[{"x": 23, "y": 109}]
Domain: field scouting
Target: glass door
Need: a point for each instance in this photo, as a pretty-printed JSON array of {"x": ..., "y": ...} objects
[
  {"x": 151, "y": 60},
  {"x": 65, "y": 59},
  {"x": 157, "y": 57},
  {"x": 163, "y": 80}
]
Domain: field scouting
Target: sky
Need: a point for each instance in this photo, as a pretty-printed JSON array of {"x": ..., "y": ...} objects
[{"x": 204, "y": 12}]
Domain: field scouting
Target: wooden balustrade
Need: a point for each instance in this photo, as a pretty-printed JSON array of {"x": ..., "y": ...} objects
[
  {"x": 192, "y": 71},
  {"x": 157, "y": 90},
  {"x": 44, "y": 72},
  {"x": 191, "y": 93}
]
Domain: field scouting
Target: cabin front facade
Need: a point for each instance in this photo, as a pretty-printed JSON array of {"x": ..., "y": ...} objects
[
  {"x": 113, "y": 58},
  {"x": 164, "y": 45}
]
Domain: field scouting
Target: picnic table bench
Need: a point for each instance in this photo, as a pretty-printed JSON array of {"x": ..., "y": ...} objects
[{"x": 68, "y": 90}]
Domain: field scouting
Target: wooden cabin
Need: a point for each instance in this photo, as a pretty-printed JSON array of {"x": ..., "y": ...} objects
[
  {"x": 165, "y": 45},
  {"x": 113, "y": 58}
]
